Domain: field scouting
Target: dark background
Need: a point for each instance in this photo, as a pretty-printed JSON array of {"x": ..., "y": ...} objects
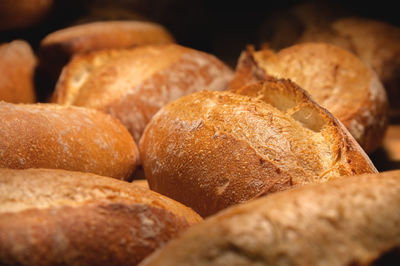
[{"x": 222, "y": 28}]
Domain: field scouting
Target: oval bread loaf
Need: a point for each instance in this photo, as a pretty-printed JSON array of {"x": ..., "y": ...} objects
[
  {"x": 58, "y": 47},
  {"x": 335, "y": 78},
  {"x": 376, "y": 43},
  {"x": 17, "y": 67},
  {"x": 210, "y": 150},
  {"x": 58, "y": 217},
  {"x": 134, "y": 84},
  {"x": 352, "y": 221},
  {"x": 71, "y": 138}
]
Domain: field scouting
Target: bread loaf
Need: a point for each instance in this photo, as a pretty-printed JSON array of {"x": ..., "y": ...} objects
[
  {"x": 17, "y": 67},
  {"x": 134, "y": 84},
  {"x": 345, "y": 222},
  {"x": 71, "y": 138},
  {"x": 376, "y": 43},
  {"x": 58, "y": 47},
  {"x": 335, "y": 78},
  {"x": 210, "y": 150},
  {"x": 58, "y": 217}
]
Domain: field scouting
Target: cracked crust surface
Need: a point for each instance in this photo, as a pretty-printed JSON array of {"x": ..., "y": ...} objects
[
  {"x": 211, "y": 150},
  {"x": 335, "y": 78},
  {"x": 375, "y": 42},
  {"x": 52, "y": 217},
  {"x": 57, "y": 48},
  {"x": 132, "y": 85},
  {"x": 343, "y": 222}
]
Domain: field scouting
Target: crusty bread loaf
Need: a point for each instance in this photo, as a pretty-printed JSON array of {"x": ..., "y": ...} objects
[
  {"x": 210, "y": 150},
  {"x": 58, "y": 217},
  {"x": 345, "y": 222},
  {"x": 376, "y": 43},
  {"x": 134, "y": 84},
  {"x": 23, "y": 13},
  {"x": 335, "y": 78},
  {"x": 58, "y": 47},
  {"x": 71, "y": 138},
  {"x": 17, "y": 67}
]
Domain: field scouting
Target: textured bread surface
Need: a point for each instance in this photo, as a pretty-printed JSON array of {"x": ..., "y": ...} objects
[
  {"x": 62, "y": 137},
  {"x": 58, "y": 47},
  {"x": 376, "y": 43},
  {"x": 58, "y": 217},
  {"x": 210, "y": 150},
  {"x": 335, "y": 78},
  {"x": 17, "y": 66},
  {"x": 344, "y": 222},
  {"x": 134, "y": 84}
]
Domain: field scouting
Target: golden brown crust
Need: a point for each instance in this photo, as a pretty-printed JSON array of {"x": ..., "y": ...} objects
[
  {"x": 134, "y": 84},
  {"x": 344, "y": 222},
  {"x": 17, "y": 65},
  {"x": 335, "y": 78},
  {"x": 376, "y": 43},
  {"x": 58, "y": 47},
  {"x": 53, "y": 217},
  {"x": 141, "y": 182},
  {"x": 211, "y": 150},
  {"x": 71, "y": 138}
]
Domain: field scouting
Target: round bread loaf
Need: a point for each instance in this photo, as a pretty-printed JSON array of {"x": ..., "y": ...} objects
[
  {"x": 345, "y": 222},
  {"x": 58, "y": 47},
  {"x": 335, "y": 78},
  {"x": 376, "y": 43},
  {"x": 210, "y": 150},
  {"x": 58, "y": 217},
  {"x": 134, "y": 84},
  {"x": 71, "y": 138},
  {"x": 17, "y": 67}
]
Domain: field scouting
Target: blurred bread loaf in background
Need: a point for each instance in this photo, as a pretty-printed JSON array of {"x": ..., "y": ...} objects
[
  {"x": 65, "y": 137},
  {"x": 335, "y": 78},
  {"x": 58, "y": 47},
  {"x": 133, "y": 84},
  {"x": 17, "y": 67},
  {"x": 376, "y": 43},
  {"x": 211, "y": 149},
  {"x": 54, "y": 217}
]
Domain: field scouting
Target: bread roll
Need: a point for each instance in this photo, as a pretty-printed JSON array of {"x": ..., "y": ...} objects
[
  {"x": 58, "y": 217},
  {"x": 376, "y": 43},
  {"x": 71, "y": 138},
  {"x": 58, "y": 47},
  {"x": 17, "y": 67},
  {"x": 335, "y": 78},
  {"x": 210, "y": 150},
  {"x": 134, "y": 84},
  {"x": 345, "y": 222}
]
